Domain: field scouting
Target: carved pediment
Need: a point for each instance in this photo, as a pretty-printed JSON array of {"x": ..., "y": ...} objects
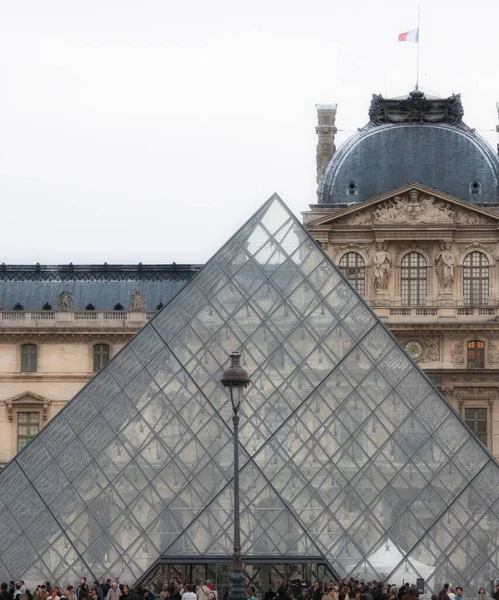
[
  {"x": 415, "y": 208},
  {"x": 411, "y": 205},
  {"x": 27, "y": 400}
]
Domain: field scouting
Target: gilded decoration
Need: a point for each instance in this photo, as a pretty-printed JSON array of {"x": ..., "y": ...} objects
[{"x": 415, "y": 208}]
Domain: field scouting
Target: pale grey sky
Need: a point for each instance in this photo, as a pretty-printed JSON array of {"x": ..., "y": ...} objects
[{"x": 149, "y": 130}]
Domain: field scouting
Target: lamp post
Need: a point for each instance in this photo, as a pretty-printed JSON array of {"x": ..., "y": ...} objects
[{"x": 235, "y": 379}]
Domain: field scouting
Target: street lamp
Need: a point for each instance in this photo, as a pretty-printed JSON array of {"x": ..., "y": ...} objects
[{"x": 235, "y": 379}]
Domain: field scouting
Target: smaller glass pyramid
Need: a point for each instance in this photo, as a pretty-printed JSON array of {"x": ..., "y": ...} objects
[{"x": 348, "y": 454}]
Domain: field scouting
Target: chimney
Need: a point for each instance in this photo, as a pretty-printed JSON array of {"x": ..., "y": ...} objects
[{"x": 326, "y": 130}]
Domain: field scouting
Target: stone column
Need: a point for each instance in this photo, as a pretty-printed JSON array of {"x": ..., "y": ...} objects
[{"x": 326, "y": 130}]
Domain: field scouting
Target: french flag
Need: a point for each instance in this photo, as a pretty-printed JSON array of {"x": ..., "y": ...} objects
[{"x": 409, "y": 36}]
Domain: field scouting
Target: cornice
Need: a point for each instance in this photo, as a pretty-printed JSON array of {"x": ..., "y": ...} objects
[
  {"x": 31, "y": 377},
  {"x": 17, "y": 336},
  {"x": 105, "y": 272},
  {"x": 443, "y": 327}
]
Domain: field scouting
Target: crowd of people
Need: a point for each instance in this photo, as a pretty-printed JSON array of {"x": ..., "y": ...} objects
[{"x": 176, "y": 590}]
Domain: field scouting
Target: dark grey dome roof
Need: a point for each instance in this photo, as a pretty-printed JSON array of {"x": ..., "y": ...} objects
[{"x": 383, "y": 157}]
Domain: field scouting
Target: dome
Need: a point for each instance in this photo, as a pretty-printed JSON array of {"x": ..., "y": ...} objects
[{"x": 413, "y": 140}]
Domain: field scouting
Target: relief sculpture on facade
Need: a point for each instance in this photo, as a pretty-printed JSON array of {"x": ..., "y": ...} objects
[
  {"x": 457, "y": 353},
  {"x": 138, "y": 301},
  {"x": 65, "y": 301},
  {"x": 414, "y": 208},
  {"x": 432, "y": 349}
]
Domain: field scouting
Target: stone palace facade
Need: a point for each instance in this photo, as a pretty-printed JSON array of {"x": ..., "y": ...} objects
[{"x": 408, "y": 209}]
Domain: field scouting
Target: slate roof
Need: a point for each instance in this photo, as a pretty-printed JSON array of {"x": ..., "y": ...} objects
[
  {"x": 103, "y": 286},
  {"x": 415, "y": 139}
]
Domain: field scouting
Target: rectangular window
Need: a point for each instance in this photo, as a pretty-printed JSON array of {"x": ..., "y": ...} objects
[
  {"x": 29, "y": 355},
  {"x": 28, "y": 425},
  {"x": 476, "y": 419}
]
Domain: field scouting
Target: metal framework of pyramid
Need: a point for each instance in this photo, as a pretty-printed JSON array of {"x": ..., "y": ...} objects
[{"x": 348, "y": 453}]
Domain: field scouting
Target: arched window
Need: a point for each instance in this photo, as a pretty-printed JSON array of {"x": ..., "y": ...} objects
[
  {"x": 101, "y": 356},
  {"x": 352, "y": 266},
  {"x": 29, "y": 357},
  {"x": 476, "y": 279},
  {"x": 413, "y": 279},
  {"x": 476, "y": 354}
]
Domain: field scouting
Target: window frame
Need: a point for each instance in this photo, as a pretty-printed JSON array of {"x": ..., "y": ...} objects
[
  {"x": 26, "y": 358},
  {"x": 478, "y": 360},
  {"x": 23, "y": 440},
  {"x": 358, "y": 279},
  {"x": 476, "y": 286},
  {"x": 414, "y": 279},
  {"x": 473, "y": 422},
  {"x": 98, "y": 362}
]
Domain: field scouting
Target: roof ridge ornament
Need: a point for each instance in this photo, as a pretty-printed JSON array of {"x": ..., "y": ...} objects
[{"x": 416, "y": 108}]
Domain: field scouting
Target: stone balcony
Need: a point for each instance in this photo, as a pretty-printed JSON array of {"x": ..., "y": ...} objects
[
  {"x": 93, "y": 319},
  {"x": 437, "y": 314}
]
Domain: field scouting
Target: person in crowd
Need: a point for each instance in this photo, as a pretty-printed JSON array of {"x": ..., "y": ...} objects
[
  {"x": 482, "y": 594},
  {"x": 114, "y": 592},
  {"x": 203, "y": 592},
  {"x": 411, "y": 594},
  {"x": 188, "y": 594}
]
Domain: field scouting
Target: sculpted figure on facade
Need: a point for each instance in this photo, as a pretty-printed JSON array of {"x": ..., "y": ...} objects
[
  {"x": 415, "y": 210},
  {"x": 381, "y": 266},
  {"x": 65, "y": 301},
  {"x": 138, "y": 301},
  {"x": 432, "y": 349},
  {"x": 493, "y": 353},
  {"x": 444, "y": 266},
  {"x": 457, "y": 353}
]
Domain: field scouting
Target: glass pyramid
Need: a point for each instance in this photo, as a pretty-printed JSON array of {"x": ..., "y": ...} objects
[{"x": 348, "y": 453}]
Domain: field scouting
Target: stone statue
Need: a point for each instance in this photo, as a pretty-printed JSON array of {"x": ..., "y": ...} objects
[
  {"x": 381, "y": 268},
  {"x": 138, "y": 301},
  {"x": 65, "y": 302},
  {"x": 444, "y": 266}
]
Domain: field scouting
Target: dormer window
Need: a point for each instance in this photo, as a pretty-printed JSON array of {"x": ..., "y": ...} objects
[
  {"x": 475, "y": 188},
  {"x": 353, "y": 189}
]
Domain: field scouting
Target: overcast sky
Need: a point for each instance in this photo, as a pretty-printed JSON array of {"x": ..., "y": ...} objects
[{"x": 149, "y": 130}]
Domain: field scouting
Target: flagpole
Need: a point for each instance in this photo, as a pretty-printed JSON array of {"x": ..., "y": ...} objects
[{"x": 417, "y": 65}]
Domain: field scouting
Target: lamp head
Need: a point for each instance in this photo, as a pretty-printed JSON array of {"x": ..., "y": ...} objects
[{"x": 235, "y": 378}]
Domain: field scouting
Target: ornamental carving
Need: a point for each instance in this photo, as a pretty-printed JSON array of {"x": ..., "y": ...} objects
[
  {"x": 432, "y": 349},
  {"x": 493, "y": 353},
  {"x": 477, "y": 246},
  {"x": 414, "y": 208},
  {"x": 65, "y": 301},
  {"x": 476, "y": 391},
  {"x": 457, "y": 353},
  {"x": 138, "y": 301},
  {"x": 353, "y": 246},
  {"x": 416, "y": 108}
]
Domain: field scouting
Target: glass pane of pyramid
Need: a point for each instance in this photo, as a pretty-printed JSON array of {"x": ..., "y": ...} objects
[{"x": 348, "y": 455}]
